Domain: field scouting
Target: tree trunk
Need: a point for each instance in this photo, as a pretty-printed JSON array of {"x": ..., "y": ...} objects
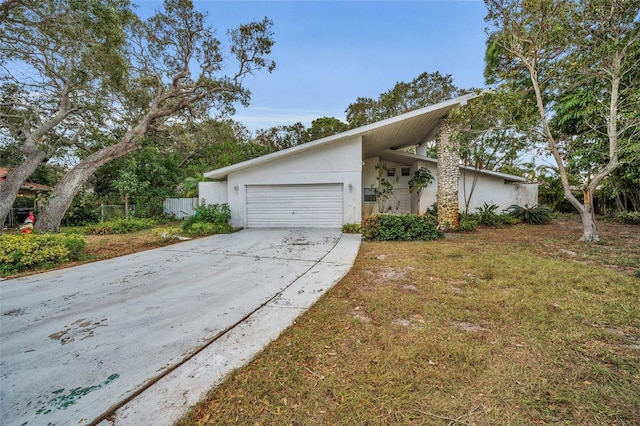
[
  {"x": 588, "y": 217},
  {"x": 15, "y": 179},
  {"x": 64, "y": 192},
  {"x": 448, "y": 177}
]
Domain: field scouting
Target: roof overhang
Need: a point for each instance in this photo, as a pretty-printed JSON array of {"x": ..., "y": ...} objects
[
  {"x": 409, "y": 129},
  {"x": 409, "y": 159}
]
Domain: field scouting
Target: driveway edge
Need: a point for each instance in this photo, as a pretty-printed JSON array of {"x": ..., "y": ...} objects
[{"x": 170, "y": 398}]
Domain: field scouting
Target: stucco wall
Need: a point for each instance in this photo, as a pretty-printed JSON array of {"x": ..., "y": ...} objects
[
  {"x": 333, "y": 163},
  {"x": 213, "y": 192},
  {"x": 489, "y": 189}
]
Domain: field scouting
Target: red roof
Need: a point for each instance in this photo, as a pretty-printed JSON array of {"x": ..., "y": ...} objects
[{"x": 29, "y": 184}]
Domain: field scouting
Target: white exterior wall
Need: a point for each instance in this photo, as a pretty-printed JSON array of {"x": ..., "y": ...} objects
[
  {"x": 488, "y": 189},
  {"x": 400, "y": 186},
  {"x": 494, "y": 190},
  {"x": 339, "y": 163},
  {"x": 213, "y": 192}
]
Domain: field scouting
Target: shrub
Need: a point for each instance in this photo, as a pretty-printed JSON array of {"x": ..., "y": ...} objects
[
  {"x": 352, "y": 228},
  {"x": 214, "y": 214},
  {"x": 533, "y": 215},
  {"x": 487, "y": 215},
  {"x": 467, "y": 224},
  {"x": 205, "y": 228},
  {"x": 405, "y": 227},
  {"x": 23, "y": 252},
  {"x": 120, "y": 226},
  {"x": 432, "y": 210},
  {"x": 628, "y": 217}
]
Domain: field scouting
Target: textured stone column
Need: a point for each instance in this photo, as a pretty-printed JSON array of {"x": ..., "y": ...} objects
[{"x": 448, "y": 176}]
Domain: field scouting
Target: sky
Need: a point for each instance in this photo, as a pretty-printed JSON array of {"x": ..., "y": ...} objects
[{"x": 329, "y": 53}]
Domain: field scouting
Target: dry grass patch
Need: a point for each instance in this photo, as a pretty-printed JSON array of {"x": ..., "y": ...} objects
[{"x": 497, "y": 327}]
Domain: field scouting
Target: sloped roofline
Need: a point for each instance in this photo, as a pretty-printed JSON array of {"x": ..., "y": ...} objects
[
  {"x": 389, "y": 153},
  {"x": 445, "y": 107}
]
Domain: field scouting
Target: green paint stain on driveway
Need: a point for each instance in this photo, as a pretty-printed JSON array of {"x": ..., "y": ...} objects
[{"x": 62, "y": 401}]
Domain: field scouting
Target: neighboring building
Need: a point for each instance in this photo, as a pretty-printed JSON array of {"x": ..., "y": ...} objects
[
  {"x": 327, "y": 183},
  {"x": 28, "y": 190}
]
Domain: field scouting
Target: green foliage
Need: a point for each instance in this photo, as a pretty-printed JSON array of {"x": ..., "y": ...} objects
[
  {"x": 432, "y": 210},
  {"x": 420, "y": 180},
  {"x": 352, "y": 228},
  {"x": 407, "y": 227},
  {"x": 467, "y": 224},
  {"x": 384, "y": 188},
  {"x": 323, "y": 127},
  {"x": 23, "y": 252},
  {"x": 487, "y": 215},
  {"x": 82, "y": 211},
  {"x": 209, "y": 219},
  {"x": 424, "y": 90},
  {"x": 120, "y": 226},
  {"x": 206, "y": 228},
  {"x": 632, "y": 218},
  {"x": 536, "y": 215}
]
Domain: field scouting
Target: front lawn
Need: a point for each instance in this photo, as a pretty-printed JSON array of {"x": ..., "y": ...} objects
[{"x": 522, "y": 325}]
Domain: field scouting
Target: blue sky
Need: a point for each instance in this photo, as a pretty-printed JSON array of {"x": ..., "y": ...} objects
[{"x": 329, "y": 53}]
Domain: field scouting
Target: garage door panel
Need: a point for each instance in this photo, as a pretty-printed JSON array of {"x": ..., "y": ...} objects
[{"x": 318, "y": 206}]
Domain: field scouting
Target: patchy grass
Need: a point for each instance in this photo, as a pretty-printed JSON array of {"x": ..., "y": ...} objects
[{"x": 518, "y": 326}]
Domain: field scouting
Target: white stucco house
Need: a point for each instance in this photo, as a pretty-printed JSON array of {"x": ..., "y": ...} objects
[{"x": 327, "y": 183}]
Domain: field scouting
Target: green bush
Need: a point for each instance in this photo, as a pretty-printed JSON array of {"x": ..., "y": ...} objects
[
  {"x": 628, "y": 217},
  {"x": 405, "y": 227},
  {"x": 467, "y": 224},
  {"x": 487, "y": 215},
  {"x": 536, "y": 215},
  {"x": 205, "y": 228},
  {"x": 120, "y": 226},
  {"x": 212, "y": 214},
  {"x": 31, "y": 251},
  {"x": 352, "y": 228}
]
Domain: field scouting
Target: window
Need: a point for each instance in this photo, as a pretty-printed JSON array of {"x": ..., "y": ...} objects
[
  {"x": 391, "y": 171},
  {"x": 406, "y": 171},
  {"x": 369, "y": 195}
]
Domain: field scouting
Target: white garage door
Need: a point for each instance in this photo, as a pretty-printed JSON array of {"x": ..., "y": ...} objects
[{"x": 294, "y": 206}]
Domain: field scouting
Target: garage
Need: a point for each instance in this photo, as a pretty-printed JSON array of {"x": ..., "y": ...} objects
[{"x": 294, "y": 206}]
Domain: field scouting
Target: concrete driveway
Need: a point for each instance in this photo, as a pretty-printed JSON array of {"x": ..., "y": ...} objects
[{"x": 138, "y": 339}]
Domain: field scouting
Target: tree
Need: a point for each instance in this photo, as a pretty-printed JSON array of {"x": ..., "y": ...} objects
[
  {"x": 323, "y": 127},
  {"x": 493, "y": 131},
  {"x": 420, "y": 180},
  {"x": 58, "y": 57},
  {"x": 163, "y": 51},
  {"x": 561, "y": 47},
  {"x": 281, "y": 137},
  {"x": 128, "y": 184},
  {"x": 384, "y": 188},
  {"x": 424, "y": 90}
]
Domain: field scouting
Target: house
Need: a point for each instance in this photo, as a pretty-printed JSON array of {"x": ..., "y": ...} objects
[
  {"x": 328, "y": 182},
  {"x": 29, "y": 190}
]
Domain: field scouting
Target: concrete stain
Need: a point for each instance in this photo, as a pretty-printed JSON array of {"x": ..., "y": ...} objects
[
  {"x": 62, "y": 401},
  {"x": 81, "y": 329}
]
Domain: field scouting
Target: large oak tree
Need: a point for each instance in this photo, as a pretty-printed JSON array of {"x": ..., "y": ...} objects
[
  {"x": 176, "y": 70},
  {"x": 58, "y": 59}
]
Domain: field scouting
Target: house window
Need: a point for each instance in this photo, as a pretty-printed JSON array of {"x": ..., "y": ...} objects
[
  {"x": 406, "y": 171},
  {"x": 391, "y": 171},
  {"x": 369, "y": 195}
]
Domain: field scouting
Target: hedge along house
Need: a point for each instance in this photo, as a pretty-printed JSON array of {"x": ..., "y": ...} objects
[{"x": 328, "y": 182}]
